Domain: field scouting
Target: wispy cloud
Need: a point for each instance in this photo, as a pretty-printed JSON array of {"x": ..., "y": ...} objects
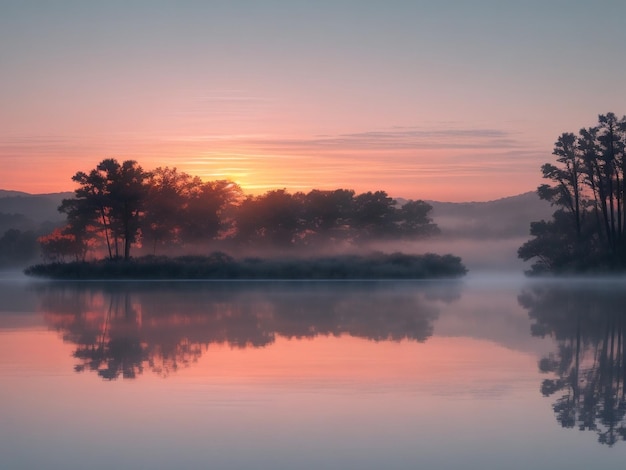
[
  {"x": 406, "y": 158},
  {"x": 225, "y": 105},
  {"x": 386, "y": 139}
]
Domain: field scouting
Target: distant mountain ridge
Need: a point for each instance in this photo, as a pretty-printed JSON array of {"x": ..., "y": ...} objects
[
  {"x": 508, "y": 217},
  {"x": 7, "y": 193},
  {"x": 30, "y": 210}
]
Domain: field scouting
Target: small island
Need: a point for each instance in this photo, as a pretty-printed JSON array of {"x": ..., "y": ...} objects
[
  {"x": 171, "y": 220},
  {"x": 220, "y": 266}
]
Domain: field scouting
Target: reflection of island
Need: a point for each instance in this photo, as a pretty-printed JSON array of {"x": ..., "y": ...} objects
[
  {"x": 120, "y": 329},
  {"x": 589, "y": 365}
]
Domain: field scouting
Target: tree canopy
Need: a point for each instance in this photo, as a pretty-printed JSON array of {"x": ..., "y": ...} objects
[
  {"x": 109, "y": 202},
  {"x": 119, "y": 205},
  {"x": 587, "y": 185}
]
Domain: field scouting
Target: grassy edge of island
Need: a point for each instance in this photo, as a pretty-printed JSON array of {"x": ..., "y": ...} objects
[{"x": 220, "y": 266}]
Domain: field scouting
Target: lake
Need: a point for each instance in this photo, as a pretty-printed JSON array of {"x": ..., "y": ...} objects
[{"x": 486, "y": 373}]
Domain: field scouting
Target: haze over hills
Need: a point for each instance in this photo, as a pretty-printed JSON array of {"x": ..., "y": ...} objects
[
  {"x": 485, "y": 234},
  {"x": 28, "y": 211},
  {"x": 502, "y": 218},
  {"x": 508, "y": 217},
  {"x": 505, "y": 217}
]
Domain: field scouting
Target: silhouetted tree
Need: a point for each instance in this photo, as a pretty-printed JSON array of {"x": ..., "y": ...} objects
[
  {"x": 588, "y": 189},
  {"x": 327, "y": 215},
  {"x": 415, "y": 220},
  {"x": 183, "y": 210},
  {"x": 126, "y": 190},
  {"x": 282, "y": 219},
  {"x": 110, "y": 198},
  {"x": 166, "y": 194},
  {"x": 208, "y": 209},
  {"x": 567, "y": 178},
  {"x": 375, "y": 215},
  {"x": 117, "y": 205},
  {"x": 273, "y": 218},
  {"x": 63, "y": 244}
]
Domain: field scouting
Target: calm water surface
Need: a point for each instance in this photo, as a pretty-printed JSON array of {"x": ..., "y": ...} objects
[{"x": 484, "y": 373}]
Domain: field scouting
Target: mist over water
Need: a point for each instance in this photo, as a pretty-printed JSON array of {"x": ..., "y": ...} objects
[
  {"x": 13, "y": 274},
  {"x": 381, "y": 367},
  {"x": 485, "y": 236},
  {"x": 479, "y": 256}
]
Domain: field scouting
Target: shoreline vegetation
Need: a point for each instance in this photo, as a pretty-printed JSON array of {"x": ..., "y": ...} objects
[
  {"x": 118, "y": 208},
  {"x": 587, "y": 185},
  {"x": 220, "y": 266}
]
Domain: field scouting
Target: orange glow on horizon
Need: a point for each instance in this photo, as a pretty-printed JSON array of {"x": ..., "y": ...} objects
[{"x": 444, "y": 164}]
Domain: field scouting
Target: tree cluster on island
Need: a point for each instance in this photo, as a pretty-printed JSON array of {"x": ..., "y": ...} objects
[
  {"x": 587, "y": 232},
  {"x": 119, "y": 205}
]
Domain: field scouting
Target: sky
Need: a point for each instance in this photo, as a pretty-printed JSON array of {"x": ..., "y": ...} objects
[{"x": 439, "y": 100}]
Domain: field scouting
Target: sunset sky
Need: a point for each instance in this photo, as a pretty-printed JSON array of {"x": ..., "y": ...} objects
[{"x": 447, "y": 100}]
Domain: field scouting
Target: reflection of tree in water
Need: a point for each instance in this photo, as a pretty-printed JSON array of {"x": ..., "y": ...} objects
[
  {"x": 121, "y": 328},
  {"x": 117, "y": 347},
  {"x": 589, "y": 365}
]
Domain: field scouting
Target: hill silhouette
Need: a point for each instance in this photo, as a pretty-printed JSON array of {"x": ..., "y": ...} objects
[
  {"x": 37, "y": 208},
  {"x": 503, "y": 218}
]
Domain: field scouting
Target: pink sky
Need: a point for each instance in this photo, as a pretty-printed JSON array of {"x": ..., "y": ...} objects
[{"x": 423, "y": 101}]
